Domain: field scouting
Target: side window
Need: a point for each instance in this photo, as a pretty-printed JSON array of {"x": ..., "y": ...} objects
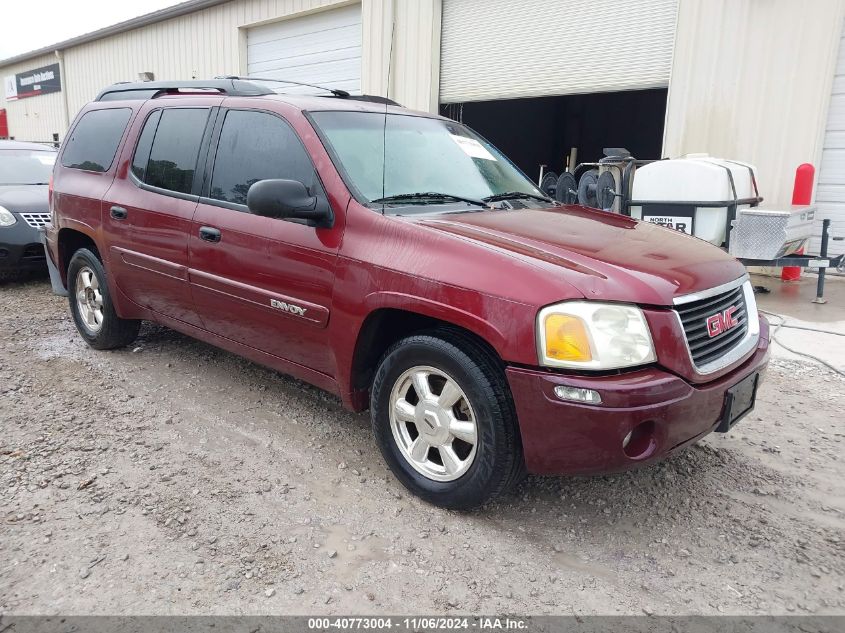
[
  {"x": 175, "y": 136},
  {"x": 145, "y": 144},
  {"x": 256, "y": 146},
  {"x": 94, "y": 140}
]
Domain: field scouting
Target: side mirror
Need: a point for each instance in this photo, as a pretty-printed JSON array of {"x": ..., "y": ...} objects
[{"x": 287, "y": 199}]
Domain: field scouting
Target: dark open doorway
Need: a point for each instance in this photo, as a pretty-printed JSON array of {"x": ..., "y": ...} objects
[{"x": 541, "y": 130}]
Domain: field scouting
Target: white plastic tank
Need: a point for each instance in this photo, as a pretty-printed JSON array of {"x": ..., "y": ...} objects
[{"x": 692, "y": 178}]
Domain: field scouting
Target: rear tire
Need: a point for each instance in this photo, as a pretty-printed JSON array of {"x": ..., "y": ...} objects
[
  {"x": 91, "y": 305},
  {"x": 458, "y": 445}
]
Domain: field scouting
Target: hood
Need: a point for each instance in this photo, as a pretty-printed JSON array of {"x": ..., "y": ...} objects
[
  {"x": 602, "y": 255},
  {"x": 24, "y": 198}
]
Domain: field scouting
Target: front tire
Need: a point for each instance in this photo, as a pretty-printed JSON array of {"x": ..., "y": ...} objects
[
  {"x": 444, "y": 419},
  {"x": 91, "y": 305}
]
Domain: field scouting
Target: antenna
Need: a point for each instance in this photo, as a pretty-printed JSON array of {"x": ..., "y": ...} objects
[
  {"x": 384, "y": 129},
  {"x": 337, "y": 92}
]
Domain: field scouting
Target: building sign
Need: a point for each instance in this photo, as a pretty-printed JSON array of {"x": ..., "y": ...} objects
[{"x": 32, "y": 83}]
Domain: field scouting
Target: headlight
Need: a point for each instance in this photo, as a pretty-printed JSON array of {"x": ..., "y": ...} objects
[
  {"x": 6, "y": 217},
  {"x": 589, "y": 335}
]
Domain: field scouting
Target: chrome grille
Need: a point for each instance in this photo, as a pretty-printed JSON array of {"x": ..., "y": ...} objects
[
  {"x": 36, "y": 220},
  {"x": 704, "y": 348}
]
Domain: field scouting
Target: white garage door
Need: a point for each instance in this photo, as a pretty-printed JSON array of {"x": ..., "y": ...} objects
[
  {"x": 501, "y": 49},
  {"x": 830, "y": 196},
  {"x": 323, "y": 48}
]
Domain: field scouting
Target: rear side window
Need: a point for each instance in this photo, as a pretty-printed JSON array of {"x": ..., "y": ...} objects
[
  {"x": 94, "y": 140},
  {"x": 145, "y": 144},
  {"x": 168, "y": 147},
  {"x": 256, "y": 146}
]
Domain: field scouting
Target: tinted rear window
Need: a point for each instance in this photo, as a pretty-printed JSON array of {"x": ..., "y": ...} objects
[
  {"x": 94, "y": 140},
  {"x": 175, "y": 148},
  {"x": 145, "y": 143}
]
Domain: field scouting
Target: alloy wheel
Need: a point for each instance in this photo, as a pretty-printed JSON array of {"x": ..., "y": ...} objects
[
  {"x": 433, "y": 423},
  {"x": 89, "y": 299}
]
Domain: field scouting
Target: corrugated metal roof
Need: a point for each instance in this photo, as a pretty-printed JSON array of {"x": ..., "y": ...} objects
[{"x": 121, "y": 27}]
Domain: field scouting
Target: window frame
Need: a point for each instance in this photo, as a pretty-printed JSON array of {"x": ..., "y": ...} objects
[
  {"x": 211, "y": 159},
  {"x": 60, "y": 159},
  {"x": 199, "y": 171}
]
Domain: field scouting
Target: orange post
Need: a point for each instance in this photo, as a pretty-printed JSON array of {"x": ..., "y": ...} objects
[{"x": 802, "y": 193}]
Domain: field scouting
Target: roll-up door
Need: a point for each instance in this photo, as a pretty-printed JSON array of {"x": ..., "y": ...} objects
[
  {"x": 501, "y": 49},
  {"x": 322, "y": 48},
  {"x": 830, "y": 196}
]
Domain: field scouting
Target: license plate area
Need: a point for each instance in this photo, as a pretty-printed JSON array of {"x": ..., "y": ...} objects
[{"x": 739, "y": 401}]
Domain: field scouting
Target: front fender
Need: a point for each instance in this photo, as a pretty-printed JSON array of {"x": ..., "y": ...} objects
[
  {"x": 485, "y": 328},
  {"x": 507, "y": 326}
]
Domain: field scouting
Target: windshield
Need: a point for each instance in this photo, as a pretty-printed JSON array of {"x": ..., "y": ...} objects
[
  {"x": 421, "y": 155},
  {"x": 25, "y": 167}
]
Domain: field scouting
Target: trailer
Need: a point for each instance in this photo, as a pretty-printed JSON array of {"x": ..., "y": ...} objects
[{"x": 713, "y": 199}]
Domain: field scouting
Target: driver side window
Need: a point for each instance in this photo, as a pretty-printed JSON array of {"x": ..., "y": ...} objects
[{"x": 257, "y": 146}]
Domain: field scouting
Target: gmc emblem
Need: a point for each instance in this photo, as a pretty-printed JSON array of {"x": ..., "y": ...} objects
[{"x": 721, "y": 322}]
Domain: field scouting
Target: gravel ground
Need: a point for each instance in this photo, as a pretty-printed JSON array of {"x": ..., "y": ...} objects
[{"x": 174, "y": 478}]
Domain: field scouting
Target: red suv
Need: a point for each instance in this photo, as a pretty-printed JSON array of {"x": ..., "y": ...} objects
[{"x": 400, "y": 261}]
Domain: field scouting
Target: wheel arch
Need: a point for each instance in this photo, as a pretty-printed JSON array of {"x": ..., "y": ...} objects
[
  {"x": 69, "y": 241},
  {"x": 386, "y": 324}
]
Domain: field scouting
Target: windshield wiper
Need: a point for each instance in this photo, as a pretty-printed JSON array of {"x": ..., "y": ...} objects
[
  {"x": 514, "y": 195},
  {"x": 432, "y": 196}
]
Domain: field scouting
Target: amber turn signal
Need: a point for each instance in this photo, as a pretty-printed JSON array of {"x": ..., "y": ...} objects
[{"x": 567, "y": 338}]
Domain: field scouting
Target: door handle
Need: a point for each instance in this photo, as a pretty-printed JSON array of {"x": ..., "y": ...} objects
[
  {"x": 209, "y": 234},
  {"x": 118, "y": 213}
]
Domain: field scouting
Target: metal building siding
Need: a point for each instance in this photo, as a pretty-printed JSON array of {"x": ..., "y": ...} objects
[
  {"x": 751, "y": 81},
  {"x": 212, "y": 41},
  {"x": 197, "y": 45},
  {"x": 411, "y": 29},
  {"x": 417, "y": 55},
  {"x": 830, "y": 192},
  {"x": 377, "y": 30},
  {"x": 33, "y": 118},
  {"x": 501, "y": 49}
]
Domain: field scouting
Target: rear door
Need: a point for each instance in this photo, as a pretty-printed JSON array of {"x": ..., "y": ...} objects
[
  {"x": 89, "y": 161},
  {"x": 149, "y": 207},
  {"x": 262, "y": 282}
]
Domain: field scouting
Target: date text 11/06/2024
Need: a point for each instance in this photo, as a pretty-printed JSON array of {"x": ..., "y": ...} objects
[{"x": 432, "y": 623}]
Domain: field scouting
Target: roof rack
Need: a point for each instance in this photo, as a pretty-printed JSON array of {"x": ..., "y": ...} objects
[
  {"x": 229, "y": 86},
  {"x": 376, "y": 99},
  {"x": 337, "y": 92},
  {"x": 150, "y": 89}
]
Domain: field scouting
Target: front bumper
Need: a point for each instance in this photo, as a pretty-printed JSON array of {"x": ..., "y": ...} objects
[
  {"x": 560, "y": 437},
  {"x": 20, "y": 248}
]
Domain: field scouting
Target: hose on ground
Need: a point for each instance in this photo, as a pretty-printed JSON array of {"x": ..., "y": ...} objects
[{"x": 784, "y": 324}]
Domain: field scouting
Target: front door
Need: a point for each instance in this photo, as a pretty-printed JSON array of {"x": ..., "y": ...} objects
[
  {"x": 263, "y": 282},
  {"x": 148, "y": 211}
]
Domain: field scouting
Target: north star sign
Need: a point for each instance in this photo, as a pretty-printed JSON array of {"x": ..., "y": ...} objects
[{"x": 32, "y": 83}]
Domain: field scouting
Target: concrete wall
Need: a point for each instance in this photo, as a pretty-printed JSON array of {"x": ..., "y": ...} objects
[
  {"x": 212, "y": 42},
  {"x": 751, "y": 80}
]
